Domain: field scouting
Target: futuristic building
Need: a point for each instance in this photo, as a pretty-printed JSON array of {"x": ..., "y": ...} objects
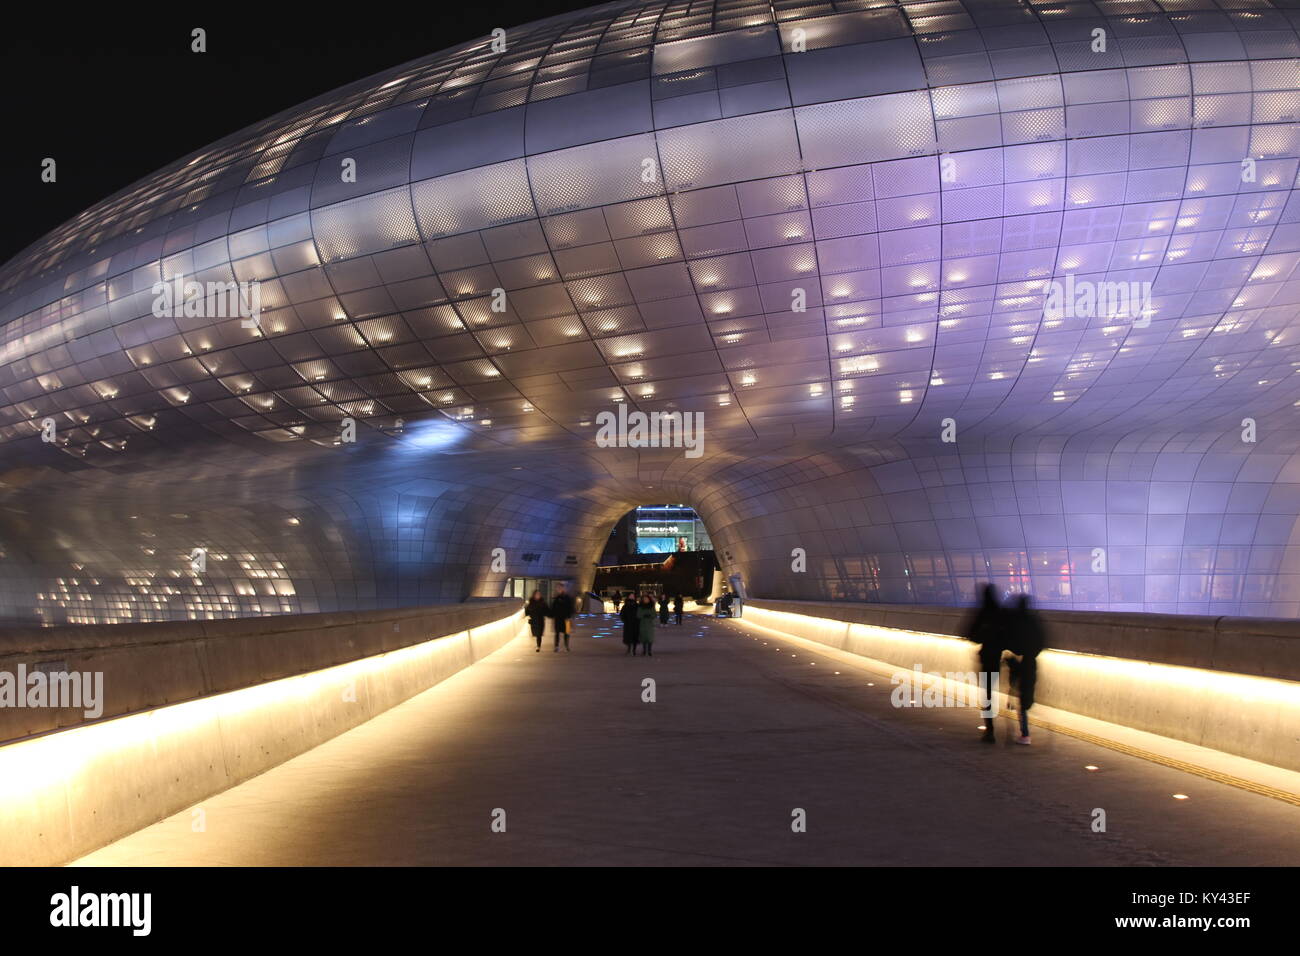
[{"x": 834, "y": 230}]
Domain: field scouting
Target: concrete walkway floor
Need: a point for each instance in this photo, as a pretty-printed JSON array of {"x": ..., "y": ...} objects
[{"x": 744, "y": 730}]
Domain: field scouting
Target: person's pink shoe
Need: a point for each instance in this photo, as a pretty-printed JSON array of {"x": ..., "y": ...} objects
[{"x": 1023, "y": 740}]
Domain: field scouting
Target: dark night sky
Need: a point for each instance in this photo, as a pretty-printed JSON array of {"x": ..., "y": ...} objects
[{"x": 113, "y": 101}]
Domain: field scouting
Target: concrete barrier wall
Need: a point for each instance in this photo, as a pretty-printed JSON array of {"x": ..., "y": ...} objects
[
  {"x": 65, "y": 793},
  {"x": 1265, "y": 647},
  {"x": 1237, "y": 712},
  {"x": 150, "y": 665}
]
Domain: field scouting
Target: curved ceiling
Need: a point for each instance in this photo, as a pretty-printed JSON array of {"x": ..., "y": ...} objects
[{"x": 829, "y": 228}]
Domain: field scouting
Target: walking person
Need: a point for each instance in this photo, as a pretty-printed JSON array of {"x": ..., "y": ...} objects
[
  {"x": 562, "y": 612},
  {"x": 677, "y": 608},
  {"x": 987, "y": 628},
  {"x": 1025, "y": 639},
  {"x": 663, "y": 609},
  {"x": 645, "y": 613},
  {"x": 537, "y": 611},
  {"x": 631, "y": 624}
]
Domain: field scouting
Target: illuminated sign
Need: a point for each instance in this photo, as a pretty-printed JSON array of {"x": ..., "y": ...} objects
[
  {"x": 664, "y": 537},
  {"x": 662, "y": 530}
]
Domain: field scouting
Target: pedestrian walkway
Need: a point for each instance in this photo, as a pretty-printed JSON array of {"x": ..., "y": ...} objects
[{"x": 743, "y": 732}]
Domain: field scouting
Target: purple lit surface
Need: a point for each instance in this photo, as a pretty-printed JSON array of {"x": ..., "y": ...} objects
[{"x": 917, "y": 178}]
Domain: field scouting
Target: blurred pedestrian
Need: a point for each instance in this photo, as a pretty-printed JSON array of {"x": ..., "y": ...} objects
[
  {"x": 631, "y": 623},
  {"x": 645, "y": 613},
  {"x": 536, "y": 610},
  {"x": 1025, "y": 639},
  {"x": 987, "y": 628},
  {"x": 562, "y": 612}
]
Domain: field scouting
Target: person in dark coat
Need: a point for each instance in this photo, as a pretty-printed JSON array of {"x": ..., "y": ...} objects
[
  {"x": 631, "y": 624},
  {"x": 536, "y": 610},
  {"x": 645, "y": 612},
  {"x": 987, "y": 628},
  {"x": 562, "y": 612},
  {"x": 663, "y": 609},
  {"x": 1025, "y": 639},
  {"x": 677, "y": 608}
]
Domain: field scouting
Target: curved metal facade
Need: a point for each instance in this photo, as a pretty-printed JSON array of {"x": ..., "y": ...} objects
[{"x": 830, "y": 228}]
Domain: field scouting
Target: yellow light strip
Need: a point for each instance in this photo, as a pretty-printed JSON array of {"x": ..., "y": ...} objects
[
  {"x": 61, "y": 780},
  {"x": 1269, "y": 694},
  {"x": 1179, "y": 677}
]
